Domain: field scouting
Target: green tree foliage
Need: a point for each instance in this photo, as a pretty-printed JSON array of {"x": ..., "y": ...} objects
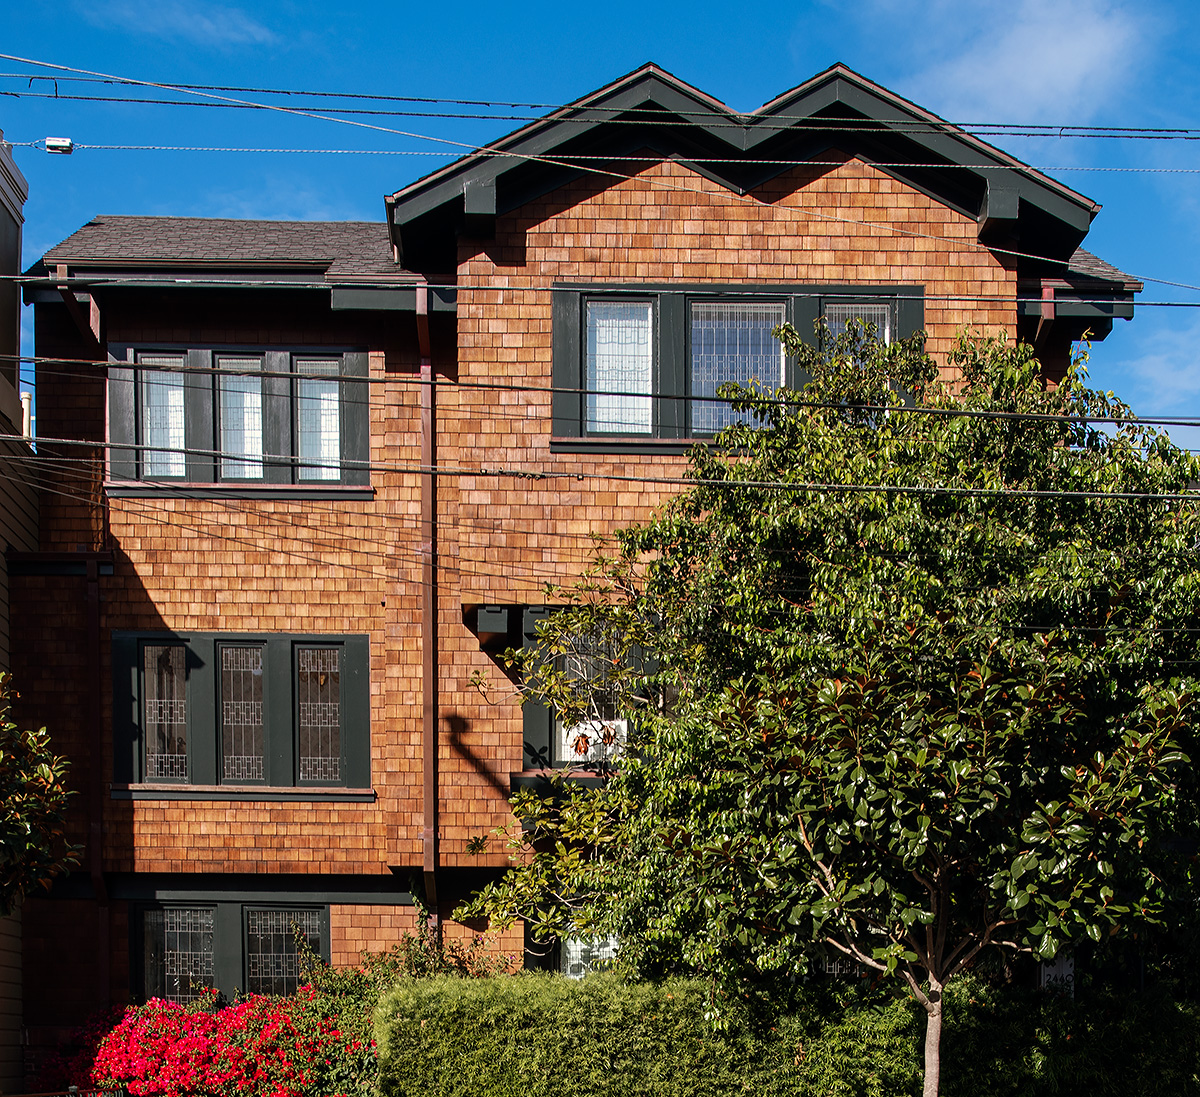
[
  {"x": 33, "y": 808},
  {"x": 911, "y": 673}
]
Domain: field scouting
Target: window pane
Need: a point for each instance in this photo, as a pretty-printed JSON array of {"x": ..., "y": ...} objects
[
  {"x": 318, "y": 685},
  {"x": 601, "y": 735},
  {"x": 580, "y": 957},
  {"x": 838, "y": 316},
  {"x": 242, "y": 713},
  {"x": 272, "y": 964},
  {"x": 164, "y": 717},
  {"x": 241, "y": 419},
  {"x": 620, "y": 359},
  {"x": 318, "y": 419},
  {"x": 162, "y": 415},
  {"x": 732, "y": 342},
  {"x": 177, "y": 953}
]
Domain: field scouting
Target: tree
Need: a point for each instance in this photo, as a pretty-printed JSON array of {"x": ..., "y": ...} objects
[
  {"x": 911, "y": 674},
  {"x": 33, "y": 849}
]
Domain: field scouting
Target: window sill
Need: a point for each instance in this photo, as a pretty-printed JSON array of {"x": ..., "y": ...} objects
[
  {"x": 635, "y": 446},
  {"x": 137, "y": 489},
  {"x": 540, "y": 778},
  {"x": 242, "y": 793}
]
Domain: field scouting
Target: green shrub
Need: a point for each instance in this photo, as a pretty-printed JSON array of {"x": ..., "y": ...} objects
[
  {"x": 532, "y": 1035},
  {"x": 545, "y": 1036}
]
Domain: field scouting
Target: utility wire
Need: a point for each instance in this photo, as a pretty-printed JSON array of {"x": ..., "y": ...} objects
[
  {"x": 414, "y": 380},
  {"x": 586, "y": 113},
  {"x": 557, "y": 162},
  {"x": 583, "y": 158},
  {"x": 528, "y": 473}
]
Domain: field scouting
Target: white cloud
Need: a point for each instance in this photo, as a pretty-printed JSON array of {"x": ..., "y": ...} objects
[
  {"x": 179, "y": 20},
  {"x": 1028, "y": 61}
]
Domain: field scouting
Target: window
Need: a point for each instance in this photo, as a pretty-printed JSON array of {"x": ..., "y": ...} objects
[
  {"x": 230, "y": 946},
  {"x": 600, "y": 736},
  {"x": 243, "y": 418},
  {"x": 177, "y": 953},
  {"x": 207, "y": 709},
  {"x": 638, "y": 365},
  {"x": 579, "y": 957},
  {"x": 550, "y": 741},
  {"x": 272, "y": 959}
]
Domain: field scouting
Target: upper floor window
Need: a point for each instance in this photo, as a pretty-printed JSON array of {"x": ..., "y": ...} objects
[
  {"x": 636, "y": 364},
  {"x": 275, "y": 710},
  {"x": 246, "y": 418}
]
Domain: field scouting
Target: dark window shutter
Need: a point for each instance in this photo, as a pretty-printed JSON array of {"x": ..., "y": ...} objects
[
  {"x": 122, "y": 422},
  {"x": 356, "y": 420}
]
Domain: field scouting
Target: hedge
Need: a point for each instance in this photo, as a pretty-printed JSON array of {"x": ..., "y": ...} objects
[{"x": 536, "y": 1035}]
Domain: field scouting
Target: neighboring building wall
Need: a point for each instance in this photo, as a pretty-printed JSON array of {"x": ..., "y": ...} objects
[
  {"x": 502, "y": 538},
  {"x": 18, "y": 530}
]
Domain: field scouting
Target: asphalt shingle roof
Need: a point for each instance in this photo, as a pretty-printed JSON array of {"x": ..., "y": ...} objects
[
  {"x": 345, "y": 247},
  {"x": 1084, "y": 264}
]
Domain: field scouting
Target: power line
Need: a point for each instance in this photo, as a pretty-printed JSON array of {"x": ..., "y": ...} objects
[
  {"x": 606, "y": 158},
  {"x": 529, "y": 474},
  {"x": 413, "y": 380},
  {"x": 557, "y": 162},
  {"x": 628, "y": 115}
]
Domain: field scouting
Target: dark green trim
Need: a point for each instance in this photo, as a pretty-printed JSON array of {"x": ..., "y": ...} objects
[
  {"x": 54, "y": 567},
  {"x": 203, "y": 724},
  {"x": 202, "y": 424},
  {"x": 646, "y": 448},
  {"x": 672, "y": 351},
  {"x": 316, "y": 794},
  {"x": 391, "y": 299},
  {"x": 232, "y": 489},
  {"x": 540, "y": 782}
]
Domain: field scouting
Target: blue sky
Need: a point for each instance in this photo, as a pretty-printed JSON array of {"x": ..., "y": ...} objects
[{"x": 1058, "y": 62}]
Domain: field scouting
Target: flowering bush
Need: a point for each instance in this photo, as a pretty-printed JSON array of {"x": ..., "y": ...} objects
[
  {"x": 306, "y": 1045},
  {"x": 71, "y": 1063},
  {"x": 315, "y": 1043}
]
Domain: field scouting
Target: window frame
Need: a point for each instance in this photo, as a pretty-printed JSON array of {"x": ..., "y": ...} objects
[
  {"x": 281, "y": 732},
  {"x": 671, "y": 367},
  {"x": 203, "y": 448},
  {"x": 231, "y": 952}
]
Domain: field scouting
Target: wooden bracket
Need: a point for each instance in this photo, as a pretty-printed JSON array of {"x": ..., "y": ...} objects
[{"x": 87, "y": 325}]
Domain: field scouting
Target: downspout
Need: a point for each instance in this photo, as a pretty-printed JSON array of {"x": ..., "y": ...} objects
[
  {"x": 429, "y": 611},
  {"x": 96, "y": 787}
]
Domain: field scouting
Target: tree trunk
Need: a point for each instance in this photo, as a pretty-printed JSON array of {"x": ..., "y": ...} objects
[{"x": 933, "y": 1041}]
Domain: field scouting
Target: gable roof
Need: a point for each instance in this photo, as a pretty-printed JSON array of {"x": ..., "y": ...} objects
[
  {"x": 329, "y": 251},
  {"x": 651, "y": 109}
]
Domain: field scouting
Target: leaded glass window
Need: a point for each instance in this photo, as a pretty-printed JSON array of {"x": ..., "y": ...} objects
[
  {"x": 241, "y": 418},
  {"x": 162, "y": 415},
  {"x": 272, "y": 959},
  {"x": 620, "y": 366},
  {"x": 838, "y": 316},
  {"x": 580, "y": 957},
  {"x": 318, "y": 419},
  {"x": 177, "y": 953},
  {"x": 242, "y": 738},
  {"x": 164, "y": 684},
  {"x": 319, "y": 714},
  {"x": 732, "y": 341}
]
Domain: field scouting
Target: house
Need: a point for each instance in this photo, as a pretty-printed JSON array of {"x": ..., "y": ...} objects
[
  {"x": 18, "y": 531},
  {"x": 309, "y": 478}
]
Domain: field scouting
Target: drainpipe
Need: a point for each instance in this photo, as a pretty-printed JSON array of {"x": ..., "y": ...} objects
[
  {"x": 429, "y": 611},
  {"x": 96, "y": 786},
  {"x": 27, "y": 416}
]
